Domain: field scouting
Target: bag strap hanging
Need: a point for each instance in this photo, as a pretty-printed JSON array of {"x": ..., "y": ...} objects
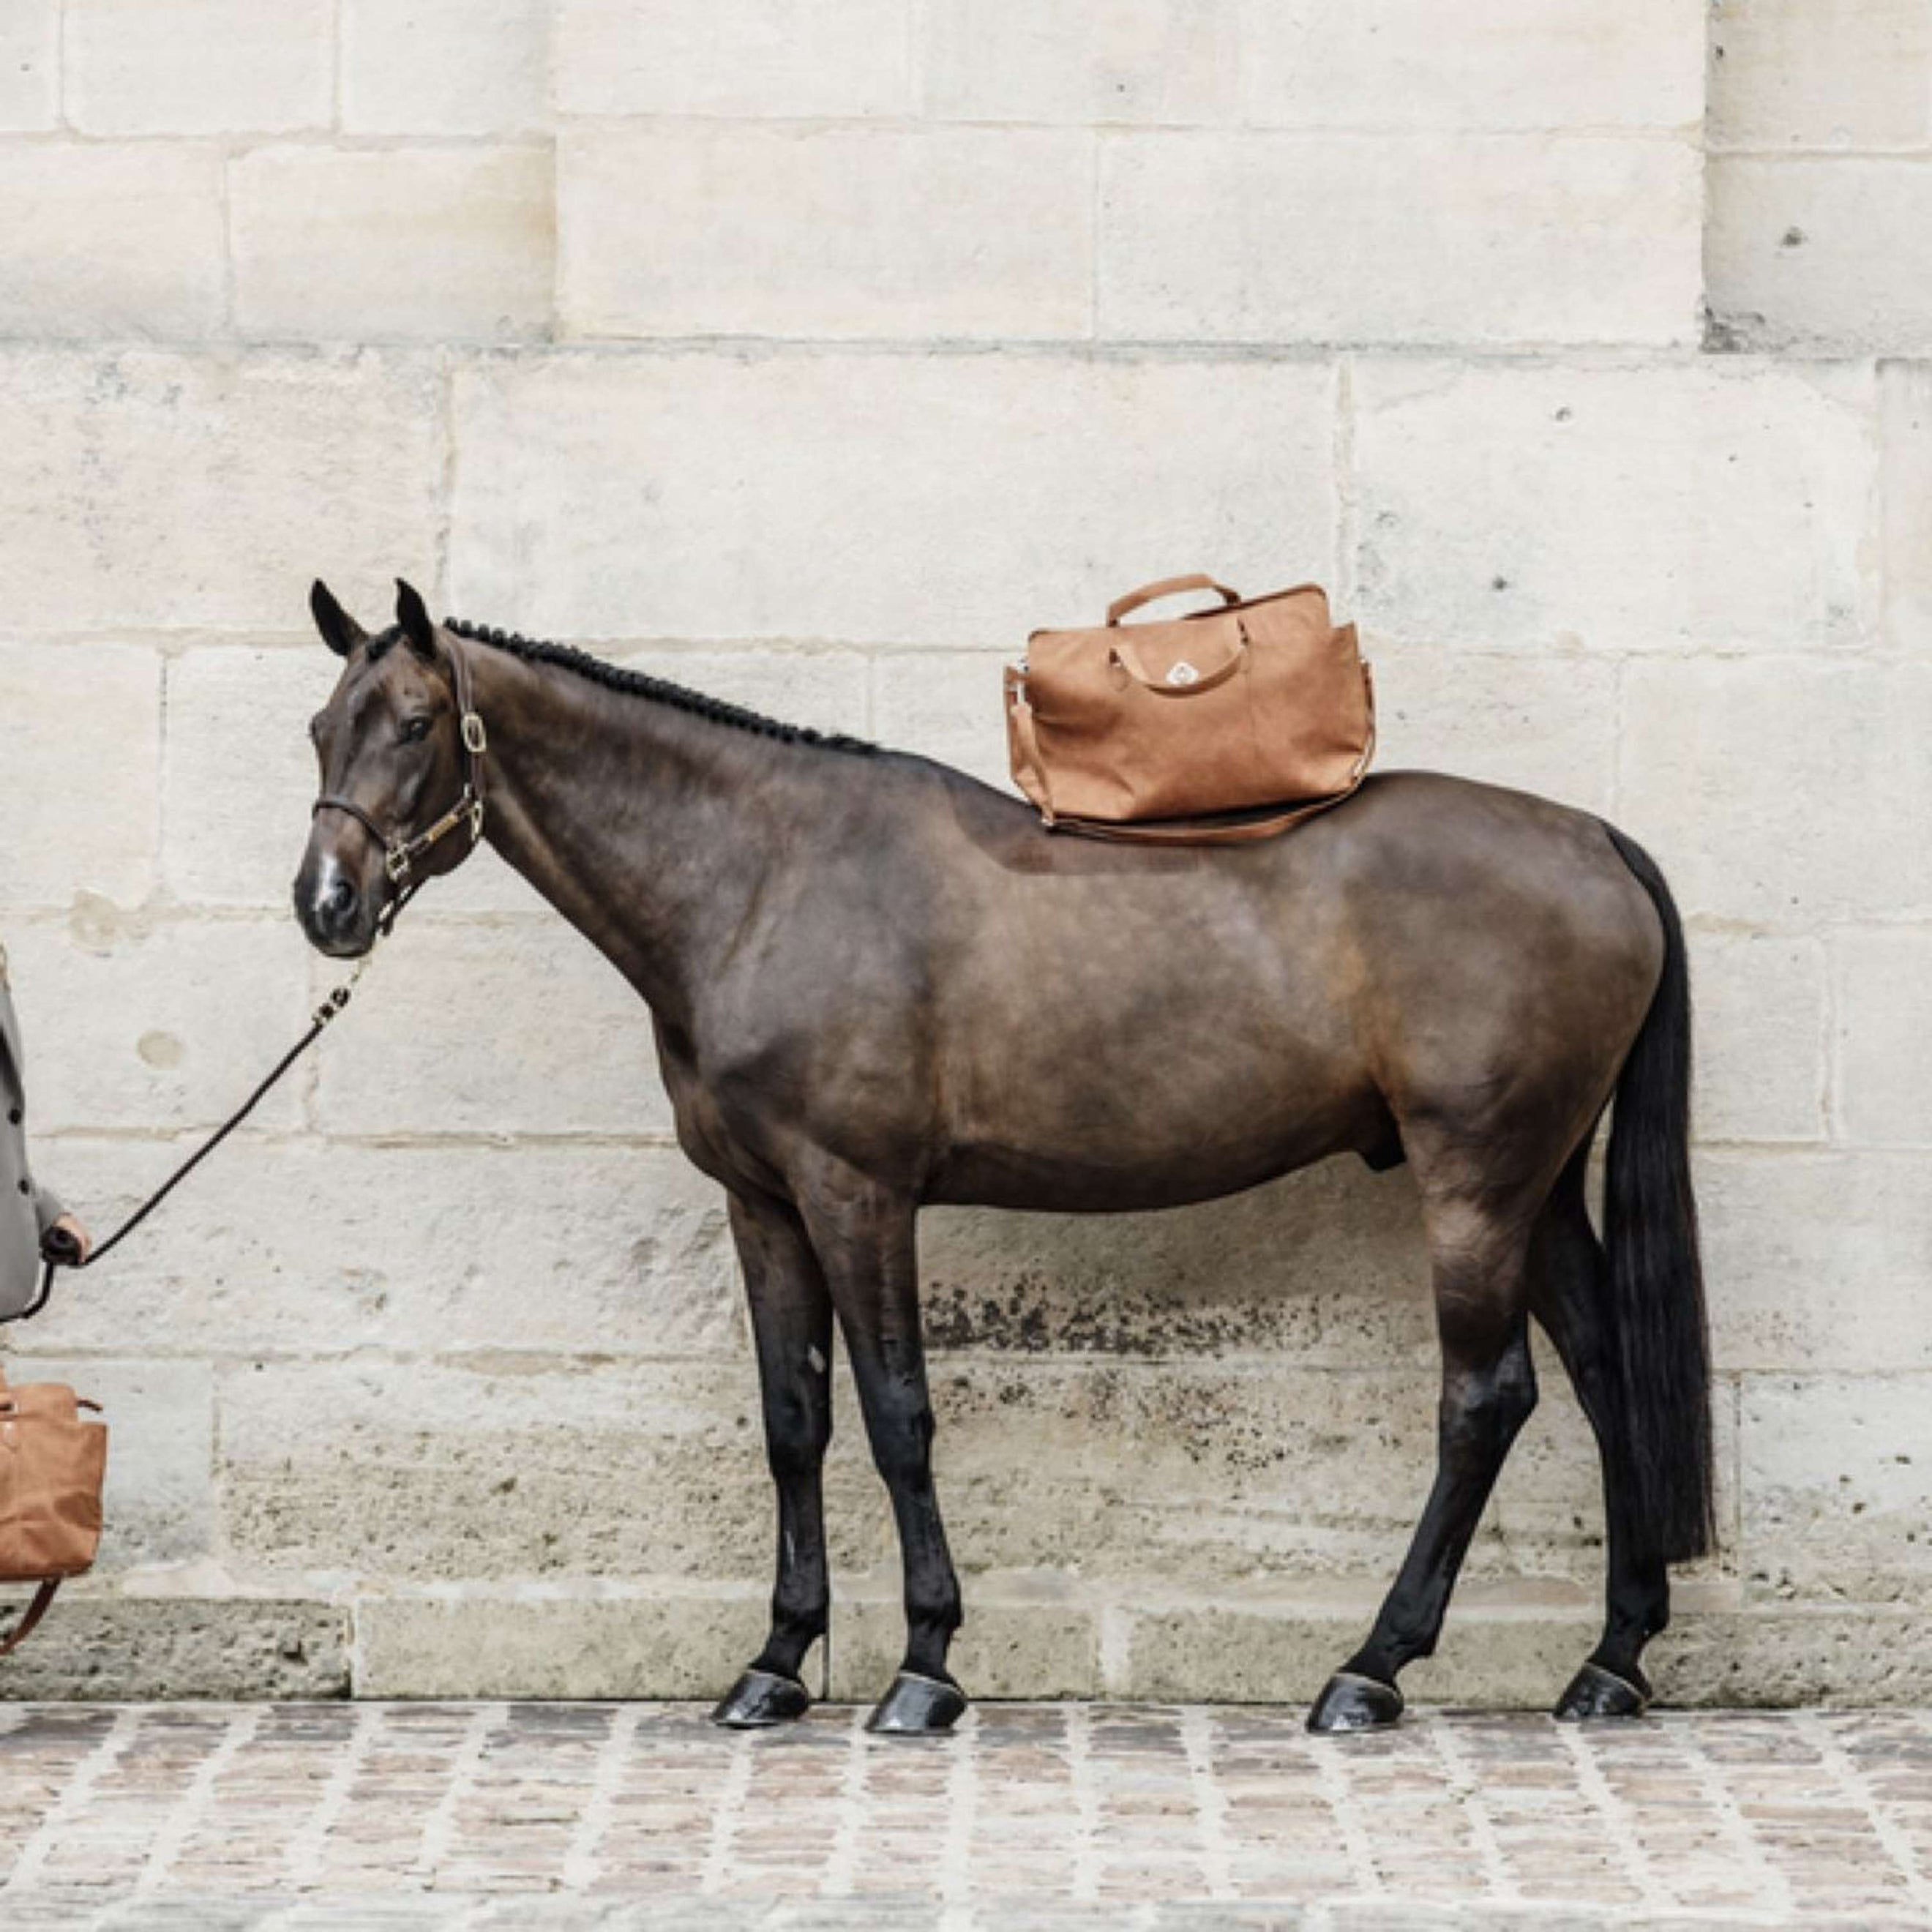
[{"x": 31, "y": 1617}]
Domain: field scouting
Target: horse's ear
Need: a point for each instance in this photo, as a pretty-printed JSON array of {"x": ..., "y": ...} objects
[
  {"x": 339, "y": 631},
  {"x": 413, "y": 615}
]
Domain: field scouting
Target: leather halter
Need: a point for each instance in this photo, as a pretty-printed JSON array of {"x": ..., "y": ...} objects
[{"x": 400, "y": 854}]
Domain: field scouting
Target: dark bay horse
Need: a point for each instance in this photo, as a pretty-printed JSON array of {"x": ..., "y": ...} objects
[{"x": 876, "y": 983}]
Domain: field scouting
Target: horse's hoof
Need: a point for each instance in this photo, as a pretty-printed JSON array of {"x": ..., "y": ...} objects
[
  {"x": 1350, "y": 1703},
  {"x": 917, "y": 1707},
  {"x": 1594, "y": 1692},
  {"x": 761, "y": 1699}
]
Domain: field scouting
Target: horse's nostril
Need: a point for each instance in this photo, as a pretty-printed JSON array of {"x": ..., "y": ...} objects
[{"x": 339, "y": 900}]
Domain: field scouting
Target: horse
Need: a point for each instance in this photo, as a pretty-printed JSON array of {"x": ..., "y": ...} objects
[{"x": 876, "y": 983}]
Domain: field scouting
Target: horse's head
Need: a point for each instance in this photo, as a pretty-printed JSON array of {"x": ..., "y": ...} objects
[{"x": 396, "y": 772}]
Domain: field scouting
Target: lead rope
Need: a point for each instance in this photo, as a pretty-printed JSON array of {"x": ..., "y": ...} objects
[{"x": 333, "y": 1004}]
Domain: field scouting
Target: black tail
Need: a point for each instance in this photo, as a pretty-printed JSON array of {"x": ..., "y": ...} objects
[{"x": 1657, "y": 1282}]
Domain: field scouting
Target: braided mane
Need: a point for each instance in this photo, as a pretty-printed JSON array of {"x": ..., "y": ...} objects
[{"x": 641, "y": 684}]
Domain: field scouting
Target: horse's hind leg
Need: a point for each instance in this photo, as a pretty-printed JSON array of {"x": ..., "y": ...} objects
[
  {"x": 791, "y": 1319},
  {"x": 1478, "y": 1252},
  {"x": 863, "y": 1236},
  {"x": 1569, "y": 1295}
]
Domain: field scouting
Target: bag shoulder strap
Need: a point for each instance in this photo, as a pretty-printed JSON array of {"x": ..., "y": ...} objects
[{"x": 30, "y": 1620}]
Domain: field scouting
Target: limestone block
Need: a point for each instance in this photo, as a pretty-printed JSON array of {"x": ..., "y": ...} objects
[
  {"x": 501, "y": 1029},
  {"x": 823, "y": 690},
  {"x": 446, "y": 66},
  {"x": 1174, "y": 61},
  {"x": 1905, "y": 391},
  {"x": 1369, "y": 238},
  {"x": 78, "y": 784},
  {"x": 1509, "y": 64},
  {"x": 825, "y": 233},
  {"x": 117, "y": 242},
  {"x": 160, "y": 1495},
  {"x": 1828, "y": 254},
  {"x": 198, "y": 66},
  {"x": 1760, "y": 1036},
  {"x": 1782, "y": 790},
  {"x": 1838, "y": 1487},
  {"x": 102, "y": 1647},
  {"x": 1817, "y": 1260},
  {"x": 620, "y": 1251},
  {"x": 874, "y": 498},
  {"x": 29, "y": 66},
  {"x": 153, "y": 1024},
  {"x": 1326, "y": 1267},
  {"x": 1545, "y": 724},
  {"x": 170, "y": 491},
  {"x": 1636, "y": 507},
  {"x": 946, "y": 706},
  {"x": 436, "y": 243},
  {"x": 1882, "y": 1003},
  {"x": 1819, "y": 74},
  {"x": 782, "y": 57}
]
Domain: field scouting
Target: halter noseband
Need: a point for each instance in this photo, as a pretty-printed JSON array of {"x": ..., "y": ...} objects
[{"x": 400, "y": 854}]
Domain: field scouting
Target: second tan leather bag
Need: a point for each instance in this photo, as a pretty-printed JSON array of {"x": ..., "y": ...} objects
[
  {"x": 1150, "y": 731},
  {"x": 53, "y": 1462}
]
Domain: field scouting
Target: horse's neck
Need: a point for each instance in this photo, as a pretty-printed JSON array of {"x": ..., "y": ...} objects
[{"x": 636, "y": 819}]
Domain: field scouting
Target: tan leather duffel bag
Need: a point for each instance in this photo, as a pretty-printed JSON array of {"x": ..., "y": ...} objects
[
  {"x": 52, "y": 1463},
  {"x": 1168, "y": 732}
]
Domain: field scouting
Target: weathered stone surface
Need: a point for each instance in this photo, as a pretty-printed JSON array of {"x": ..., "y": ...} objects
[
  {"x": 320, "y": 252},
  {"x": 155, "y": 1024},
  {"x": 1905, "y": 395},
  {"x": 1819, "y": 74},
  {"x": 1539, "y": 725},
  {"x": 1518, "y": 64},
  {"x": 1783, "y": 790},
  {"x": 123, "y": 242},
  {"x": 446, "y": 66},
  {"x": 744, "y": 498},
  {"x": 198, "y": 66},
  {"x": 160, "y": 1465},
  {"x": 1670, "y": 506},
  {"x": 165, "y": 490},
  {"x": 1142, "y": 60},
  {"x": 1882, "y": 1000},
  {"x": 778, "y": 57},
  {"x": 502, "y": 1029},
  {"x": 78, "y": 784},
  {"x": 617, "y": 1250},
  {"x": 1838, "y": 1487},
  {"x": 1326, "y": 1267},
  {"x": 1817, "y": 1260},
  {"x": 946, "y": 705},
  {"x": 1824, "y": 254},
  {"x": 102, "y": 1647},
  {"x": 1761, "y": 1032},
  {"x": 29, "y": 66},
  {"x": 842, "y": 233},
  {"x": 825, "y": 690},
  {"x": 1211, "y": 237}
]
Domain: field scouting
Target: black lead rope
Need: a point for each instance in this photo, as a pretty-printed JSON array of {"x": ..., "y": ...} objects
[{"x": 336, "y": 1001}]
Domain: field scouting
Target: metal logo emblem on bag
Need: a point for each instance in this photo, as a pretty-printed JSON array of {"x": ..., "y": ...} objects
[{"x": 1184, "y": 673}]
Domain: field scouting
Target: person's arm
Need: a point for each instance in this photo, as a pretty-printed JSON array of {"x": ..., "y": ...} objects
[{"x": 49, "y": 1208}]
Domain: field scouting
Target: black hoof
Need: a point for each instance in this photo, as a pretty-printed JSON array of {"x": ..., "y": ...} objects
[
  {"x": 1594, "y": 1692},
  {"x": 1348, "y": 1702},
  {"x": 761, "y": 1699},
  {"x": 917, "y": 1707}
]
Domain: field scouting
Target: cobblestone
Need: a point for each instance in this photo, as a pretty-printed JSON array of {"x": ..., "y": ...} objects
[{"x": 304, "y": 1817}]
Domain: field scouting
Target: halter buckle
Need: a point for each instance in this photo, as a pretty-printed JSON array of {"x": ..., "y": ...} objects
[
  {"x": 475, "y": 821},
  {"x": 475, "y": 740},
  {"x": 396, "y": 863}
]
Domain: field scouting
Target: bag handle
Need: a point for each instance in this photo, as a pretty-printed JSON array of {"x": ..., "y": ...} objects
[
  {"x": 1168, "y": 587},
  {"x": 1183, "y": 679},
  {"x": 36, "y": 1610}
]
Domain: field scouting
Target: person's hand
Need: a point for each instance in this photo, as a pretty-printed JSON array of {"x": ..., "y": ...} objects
[{"x": 67, "y": 1242}]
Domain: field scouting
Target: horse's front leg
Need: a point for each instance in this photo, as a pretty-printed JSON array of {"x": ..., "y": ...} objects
[
  {"x": 791, "y": 1319},
  {"x": 863, "y": 1236}
]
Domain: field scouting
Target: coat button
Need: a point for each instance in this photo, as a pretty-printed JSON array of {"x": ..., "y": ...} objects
[
  {"x": 14, "y": 1116},
  {"x": 24, "y": 1188}
]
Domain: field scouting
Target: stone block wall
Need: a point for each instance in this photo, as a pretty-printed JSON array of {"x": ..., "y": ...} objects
[{"x": 812, "y": 355}]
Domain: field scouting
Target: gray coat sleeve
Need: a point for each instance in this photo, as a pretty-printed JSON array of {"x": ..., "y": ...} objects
[{"x": 48, "y": 1206}]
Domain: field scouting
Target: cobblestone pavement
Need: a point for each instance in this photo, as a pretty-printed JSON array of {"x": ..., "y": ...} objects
[{"x": 395, "y": 1817}]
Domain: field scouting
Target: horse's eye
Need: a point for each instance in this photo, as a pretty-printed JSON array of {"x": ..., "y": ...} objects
[{"x": 414, "y": 730}]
